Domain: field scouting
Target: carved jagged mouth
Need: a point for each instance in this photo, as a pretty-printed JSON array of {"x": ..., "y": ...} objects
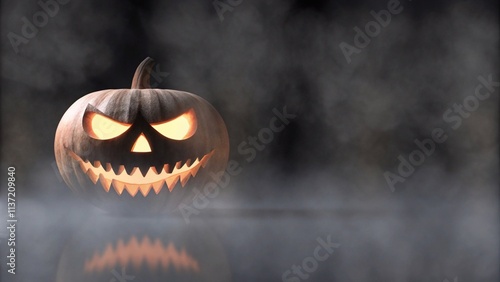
[
  {"x": 136, "y": 180},
  {"x": 137, "y": 252}
]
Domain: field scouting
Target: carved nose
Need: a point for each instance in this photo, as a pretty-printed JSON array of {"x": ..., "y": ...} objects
[{"x": 141, "y": 145}]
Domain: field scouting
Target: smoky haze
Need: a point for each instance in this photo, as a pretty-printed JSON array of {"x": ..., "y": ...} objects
[{"x": 324, "y": 173}]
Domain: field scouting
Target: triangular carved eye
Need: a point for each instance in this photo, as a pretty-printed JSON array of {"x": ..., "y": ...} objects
[
  {"x": 179, "y": 128},
  {"x": 101, "y": 127}
]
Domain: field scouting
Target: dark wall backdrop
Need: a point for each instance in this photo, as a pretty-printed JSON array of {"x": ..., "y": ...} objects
[{"x": 324, "y": 173}]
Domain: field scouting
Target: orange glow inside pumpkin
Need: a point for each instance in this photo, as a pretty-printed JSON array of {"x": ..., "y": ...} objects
[
  {"x": 135, "y": 180},
  {"x": 179, "y": 128},
  {"x": 141, "y": 145},
  {"x": 103, "y": 127}
]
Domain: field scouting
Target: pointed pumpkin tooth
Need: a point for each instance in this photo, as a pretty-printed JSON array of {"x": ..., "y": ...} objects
[
  {"x": 109, "y": 167},
  {"x": 92, "y": 176},
  {"x": 171, "y": 181},
  {"x": 152, "y": 172},
  {"x": 84, "y": 166},
  {"x": 204, "y": 160},
  {"x": 136, "y": 170},
  {"x": 186, "y": 166},
  {"x": 185, "y": 177},
  {"x": 118, "y": 186},
  {"x": 195, "y": 162},
  {"x": 120, "y": 170},
  {"x": 106, "y": 183},
  {"x": 145, "y": 189},
  {"x": 132, "y": 189},
  {"x": 97, "y": 164},
  {"x": 158, "y": 185},
  {"x": 194, "y": 170}
]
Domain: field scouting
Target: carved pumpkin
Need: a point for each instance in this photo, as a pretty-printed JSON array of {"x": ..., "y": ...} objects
[
  {"x": 110, "y": 248},
  {"x": 140, "y": 147}
]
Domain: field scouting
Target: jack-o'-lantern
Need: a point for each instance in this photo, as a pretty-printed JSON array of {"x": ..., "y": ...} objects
[
  {"x": 136, "y": 249},
  {"x": 140, "y": 149}
]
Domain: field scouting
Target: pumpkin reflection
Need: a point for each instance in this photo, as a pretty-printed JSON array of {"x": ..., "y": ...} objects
[
  {"x": 136, "y": 252},
  {"x": 145, "y": 249}
]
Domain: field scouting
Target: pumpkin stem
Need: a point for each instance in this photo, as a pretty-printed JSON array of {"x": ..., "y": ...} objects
[{"x": 142, "y": 74}]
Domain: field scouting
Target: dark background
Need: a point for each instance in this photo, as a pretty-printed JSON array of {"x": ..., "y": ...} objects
[{"x": 322, "y": 175}]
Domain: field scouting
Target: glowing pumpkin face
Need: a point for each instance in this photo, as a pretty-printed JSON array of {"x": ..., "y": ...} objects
[{"x": 140, "y": 146}]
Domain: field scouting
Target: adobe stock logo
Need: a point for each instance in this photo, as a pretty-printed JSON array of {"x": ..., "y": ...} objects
[
  {"x": 453, "y": 117},
  {"x": 121, "y": 277},
  {"x": 30, "y": 29},
  {"x": 322, "y": 252},
  {"x": 372, "y": 29}
]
